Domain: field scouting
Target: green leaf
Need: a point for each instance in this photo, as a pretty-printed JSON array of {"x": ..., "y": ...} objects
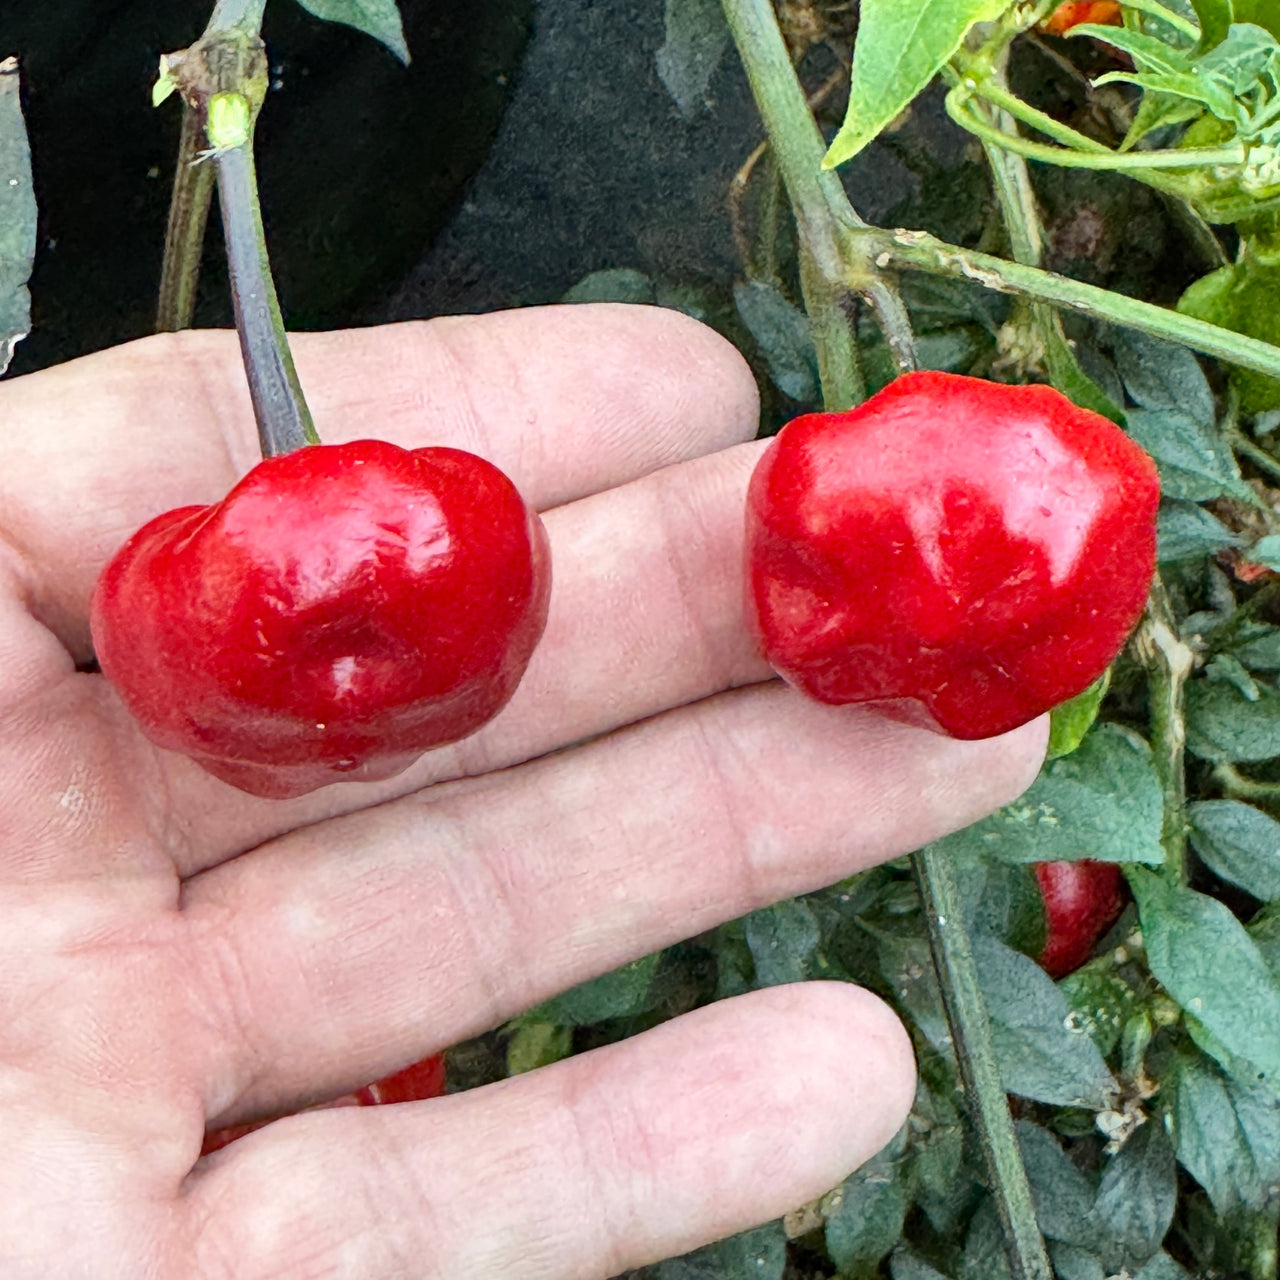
[
  {"x": 17, "y": 216},
  {"x": 865, "y": 1216},
  {"x": 1239, "y": 843},
  {"x": 1264, "y": 929},
  {"x": 619, "y": 994},
  {"x": 696, "y": 38},
  {"x": 613, "y": 284},
  {"x": 1184, "y": 531},
  {"x": 535, "y": 1044},
  {"x": 1193, "y": 459},
  {"x": 1224, "y": 724},
  {"x": 1071, "y": 1262},
  {"x": 377, "y": 18},
  {"x": 1266, "y": 552},
  {"x": 784, "y": 337},
  {"x": 900, "y": 48},
  {"x": 782, "y": 939},
  {"x": 1137, "y": 1196},
  {"x": 1209, "y": 964},
  {"x": 904, "y": 1265},
  {"x": 758, "y": 1255},
  {"x": 1101, "y": 1002},
  {"x": 1163, "y": 376},
  {"x": 1258, "y": 647},
  {"x": 1103, "y": 801},
  {"x": 985, "y": 1257},
  {"x": 1215, "y": 18},
  {"x": 1226, "y": 1132},
  {"x": 1041, "y": 1053},
  {"x": 1063, "y": 1196},
  {"x": 1071, "y": 720},
  {"x": 1163, "y": 1267}
]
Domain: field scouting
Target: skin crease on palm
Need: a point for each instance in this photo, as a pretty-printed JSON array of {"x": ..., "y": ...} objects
[{"x": 174, "y": 954}]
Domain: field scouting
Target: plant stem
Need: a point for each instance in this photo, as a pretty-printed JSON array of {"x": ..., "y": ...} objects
[
  {"x": 817, "y": 196},
  {"x": 184, "y": 239},
  {"x": 1234, "y": 783},
  {"x": 284, "y": 422},
  {"x": 975, "y": 1051},
  {"x": 919, "y": 251},
  {"x": 1254, "y": 452},
  {"x": 193, "y": 181},
  {"x": 1169, "y": 663}
]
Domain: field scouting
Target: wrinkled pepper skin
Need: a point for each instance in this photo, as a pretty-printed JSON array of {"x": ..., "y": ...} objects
[
  {"x": 343, "y": 609},
  {"x": 966, "y": 554},
  {"x": 1082, "y": 900}
]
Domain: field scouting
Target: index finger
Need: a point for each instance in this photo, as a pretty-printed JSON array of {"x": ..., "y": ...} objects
[{"x": 566, "y": 400}]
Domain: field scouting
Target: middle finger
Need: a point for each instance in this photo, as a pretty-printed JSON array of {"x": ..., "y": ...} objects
[{"x": 337, "y": 954}]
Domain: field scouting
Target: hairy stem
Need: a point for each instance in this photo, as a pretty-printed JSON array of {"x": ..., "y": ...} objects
[
  {"x": 1169, "y": 663},
  {"x": 975, "y": 1051},
  {"x": 184, "y": 238}
]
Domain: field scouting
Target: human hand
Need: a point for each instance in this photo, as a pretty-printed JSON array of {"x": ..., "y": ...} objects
[{"x": 176, "y": 955}]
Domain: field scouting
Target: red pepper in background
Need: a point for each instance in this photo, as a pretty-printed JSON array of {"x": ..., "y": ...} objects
[
  {"x": 963, "y": 553},
  {"x": 1082, "y": 900},
  {"x": 425, "y": 1079},
  {"x": 1076, "y": 12},
  {"x": 343, "y": 609}
]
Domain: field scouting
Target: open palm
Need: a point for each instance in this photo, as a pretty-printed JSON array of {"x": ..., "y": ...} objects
[{"x": 176, "y": 955}]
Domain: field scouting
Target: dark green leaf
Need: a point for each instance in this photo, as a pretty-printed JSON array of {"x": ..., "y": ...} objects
[
  {"x": 1103, "y": 801},
  {"x": 900, "y": 48},
  {"x": 1223, "y": 724},
  {"x": 1264, "y": 929},
  {"x": 754, "y": 1255},
  {"x": 1063, "y": 1196},
  {"x": 1184, "y": 531},
  {"x": 697, "y": 37},
  {"x": 1041, "y": 1054},
  {"x": 1215, "y": 18},
  {"x": 1101, "y": 1003},
  {"x": 904, "y": 1265},
  {"x": 1163, "y": 1267},
  {"x": 1071, "y": 720},
  {"x": 1223, "y": 667},
  {"x": 1239, "y": 843},
  {"x": 1226, "y": 1133},
  {"x": 1161, "y": 375},
  {"x": 783, "y": 335},
  {"x": 1137, "y": 1196},
  {"x": 1193, "y": 459},
  {"x": 984, "y": 1251},
  {"x": 907, "y": 967},
  {"x": 17, "y": 216},
  {"x": 782, "y": 939},
  {"x": 864, "y": 1218},
  {"x": 619, "y": 994},
  {"x": 1207, "y": 962},
  {"x": 378, "y": 18},
  {"x": 1258, "y": 647},
  {"x": 614, "y": 284},
  {"x": 1070, "y": 1262}
]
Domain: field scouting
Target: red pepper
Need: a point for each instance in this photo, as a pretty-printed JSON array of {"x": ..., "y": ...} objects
[
  {"x": 343, "y": 609},
  {"x": 425, "y": 1079},
  {"x": 965, "y": 553},
  {"x": 1075, "y": 12},
  {"x": 1082, "y": 900}
]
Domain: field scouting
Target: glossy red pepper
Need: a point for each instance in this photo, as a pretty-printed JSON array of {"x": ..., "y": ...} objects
[
  {"x": 1075, "y": 12},
  {"x": 343, "y": 609},
  {"x": 964, "y": 553},
  {"x": 1082, "y": 900},
  {"x": 425, "y": 1079}
]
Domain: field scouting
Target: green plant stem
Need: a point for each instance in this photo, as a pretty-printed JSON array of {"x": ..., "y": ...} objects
[
  {"x": 919, "y": 251},
  {"x": 817, "y": 196},
  {"x": 184, "y": 238},
  {"x": 1254, "y": 452},
  {"x": 1169, "y": 663},
  {"x": 230, "y": 23},
  {"x": 975, "y": 1051},
  {"x": 1078, "y": 151},
  {"x": 1234, "y": 783},
  {"x": 236, "y": 15},
  {"x": 284, "y": 422}
]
